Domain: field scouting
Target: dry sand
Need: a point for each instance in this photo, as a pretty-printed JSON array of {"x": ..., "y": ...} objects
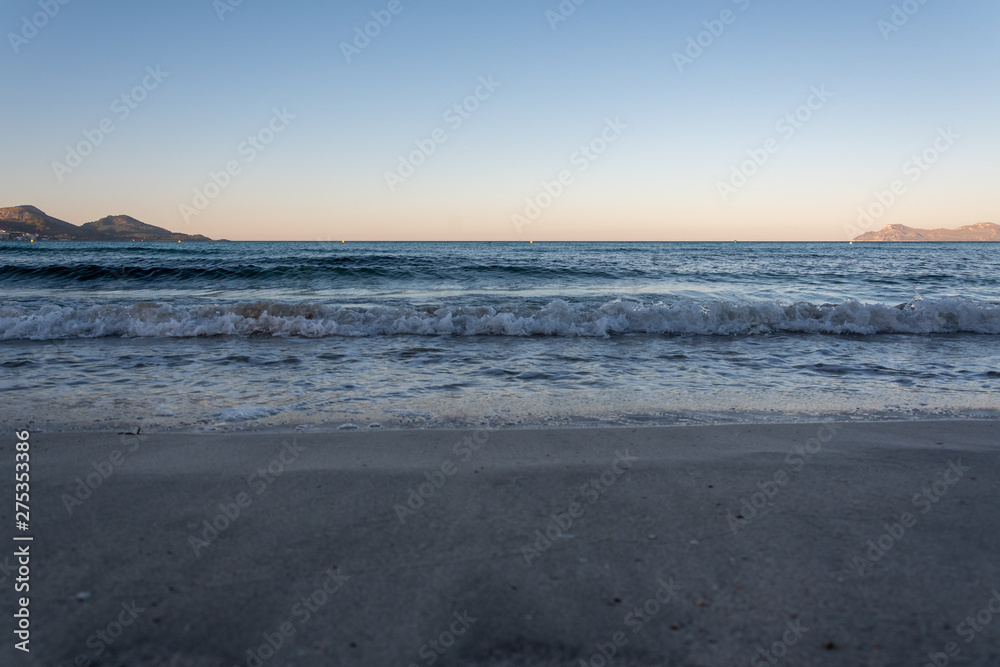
[{"x": 132, "y": 572}]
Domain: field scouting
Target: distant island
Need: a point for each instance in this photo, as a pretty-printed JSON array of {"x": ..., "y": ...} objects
[
  {"x": 29, "y": 223},
  {"x": 982, "y": 232}
]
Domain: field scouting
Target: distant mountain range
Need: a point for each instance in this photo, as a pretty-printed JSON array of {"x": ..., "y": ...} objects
[
  {"x": 24, "y": 220},
  {"x": 980, "y": 232},
  {"x": 29, "y": 220}
]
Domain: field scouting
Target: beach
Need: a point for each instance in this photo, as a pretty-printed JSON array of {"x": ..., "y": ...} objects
[
  {"x": 802, "y": 544},
  {"x": 263, "y": 454},
  {"x": 576, "y": 334}
]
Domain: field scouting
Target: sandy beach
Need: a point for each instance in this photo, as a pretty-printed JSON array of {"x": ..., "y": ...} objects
[
  {"x": 496, "y": 334},
  {"x": 805, "y": 544}
]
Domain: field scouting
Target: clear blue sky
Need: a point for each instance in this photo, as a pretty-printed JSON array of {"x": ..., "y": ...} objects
[{"x": 679, "y": 134}]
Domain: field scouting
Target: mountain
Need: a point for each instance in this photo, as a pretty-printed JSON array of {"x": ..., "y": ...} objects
[
  {"x": 31, "y": 220},
  {"x": 980, "y": 232},
  {"x": 127, "y": 228}
]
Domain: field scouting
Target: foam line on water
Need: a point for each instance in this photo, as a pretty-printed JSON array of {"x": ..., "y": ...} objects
[{"x": 558, "y": 318}]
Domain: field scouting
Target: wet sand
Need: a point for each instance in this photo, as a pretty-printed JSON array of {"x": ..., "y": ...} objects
[{"x": 867, "y": 544}]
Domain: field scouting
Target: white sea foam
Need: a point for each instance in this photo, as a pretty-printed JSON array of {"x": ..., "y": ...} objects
[
  {"x": 246, "y": 413},
  {"x": 558, "y": 318}
]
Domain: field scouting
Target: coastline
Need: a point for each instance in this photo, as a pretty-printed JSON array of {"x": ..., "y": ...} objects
[{"x": 297, "y": 513}]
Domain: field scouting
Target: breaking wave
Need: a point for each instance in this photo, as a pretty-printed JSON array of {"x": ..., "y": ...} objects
[{"x": 558, "y": 318}]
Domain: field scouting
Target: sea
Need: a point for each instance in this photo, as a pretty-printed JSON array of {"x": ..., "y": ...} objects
[{"x": 235, "y": 336}]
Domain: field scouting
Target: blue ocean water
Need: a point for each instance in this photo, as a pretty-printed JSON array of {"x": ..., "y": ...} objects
[{"x": 328, "y": 335}]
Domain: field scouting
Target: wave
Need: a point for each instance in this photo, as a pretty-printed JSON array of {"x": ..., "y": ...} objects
[
  {"x": 301, "y": 270},
  {"x": 558, "y": 318}
]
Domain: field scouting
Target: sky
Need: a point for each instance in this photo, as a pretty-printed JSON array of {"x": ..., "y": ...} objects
[{"x": 504, "y": 119}]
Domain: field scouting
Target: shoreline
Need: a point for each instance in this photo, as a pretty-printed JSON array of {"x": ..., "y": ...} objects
[
  {"x": 574, "y": 423},
  {"x": 548, "y": 538}
]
